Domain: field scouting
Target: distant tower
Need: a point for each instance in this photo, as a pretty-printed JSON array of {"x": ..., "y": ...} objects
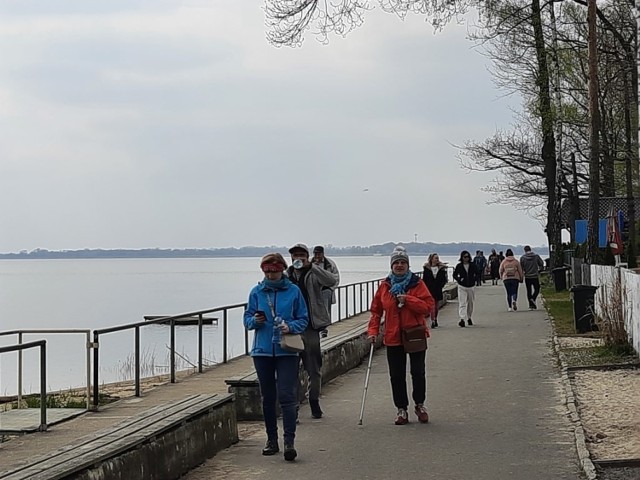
[{"x": 415, "y": 237}]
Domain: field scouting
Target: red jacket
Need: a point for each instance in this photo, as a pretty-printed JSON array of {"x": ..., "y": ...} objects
[{"x": 418, "y": 303}]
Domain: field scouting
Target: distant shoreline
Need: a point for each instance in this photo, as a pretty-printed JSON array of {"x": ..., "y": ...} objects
[{"x": 449, "y": 249}]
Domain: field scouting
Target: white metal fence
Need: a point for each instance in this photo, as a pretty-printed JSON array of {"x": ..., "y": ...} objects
[{"x": 605, "y": 277}]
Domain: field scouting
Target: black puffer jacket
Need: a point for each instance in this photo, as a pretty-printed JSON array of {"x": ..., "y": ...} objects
[
  {"x": 437, "y": 282},
  {"x": 465, "y": 278}
]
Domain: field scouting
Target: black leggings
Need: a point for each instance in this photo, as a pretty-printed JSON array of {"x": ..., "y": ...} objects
[{"x": 397, "y": 360}]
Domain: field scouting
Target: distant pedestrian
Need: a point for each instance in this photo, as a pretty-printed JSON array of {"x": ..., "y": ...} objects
[
  {"x": 480, "y": 262},
  {"x": 311, "y": 278},
  {"x": 276, "y": 306},
  {"x": 512, "y": 276},
  {"x": 531, "y": 265},
  {"x": 500, "y": 256},
  {"x": 329, "y": 293},
  {"x": 494, "y": 267},
  {"x": 466, "y": 275},
  {"x": 434, "y": 274},
  {"x": 404, "y": 300}
]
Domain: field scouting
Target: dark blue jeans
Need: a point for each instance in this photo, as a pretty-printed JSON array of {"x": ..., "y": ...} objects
[
  {"x": 511, "y": 286},
  {"x": 278, "y": 378}
]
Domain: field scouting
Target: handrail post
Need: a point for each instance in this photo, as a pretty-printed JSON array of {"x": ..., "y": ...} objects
[
  {"x": 338, "y": 303},
  {"x": 96, "y": 368},
  {"x": 88, "y": 367},
  {"x": 43, "y": 386},
  {"x": 137, "y": 361},
  {"x": 200, "y": 343},
  {"x": 20, "y": 371},
  {"x": 353, "y": 299},
  {"x": 173, "y": 349},
  {"x": 224, "y": 335}
]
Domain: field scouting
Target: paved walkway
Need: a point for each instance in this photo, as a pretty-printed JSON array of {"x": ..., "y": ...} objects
[{"x": 495, "y": 400}]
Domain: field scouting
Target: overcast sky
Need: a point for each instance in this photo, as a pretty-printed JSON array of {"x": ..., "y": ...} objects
[{"x": 174, "y": 124}]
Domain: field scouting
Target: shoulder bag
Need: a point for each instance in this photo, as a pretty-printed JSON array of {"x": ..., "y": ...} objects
[
  {"x": 291, "y": 342},
  {"x": 414, "y": 339}
]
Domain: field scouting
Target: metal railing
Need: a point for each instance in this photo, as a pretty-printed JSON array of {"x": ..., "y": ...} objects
[
  {"x": 30, "y": 331},
  {"x": 171, "y": 320},
  {"x": 351, "y": 300},
  {"x": 43, "y": 374}
]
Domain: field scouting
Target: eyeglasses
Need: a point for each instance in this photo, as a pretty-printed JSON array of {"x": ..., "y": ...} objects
[{"x": 467, "y": 256}]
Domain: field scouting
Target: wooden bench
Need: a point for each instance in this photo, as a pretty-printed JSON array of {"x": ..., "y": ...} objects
[
  {"x": 161, "y": 443},
  {"x": 340, "y": 353}
]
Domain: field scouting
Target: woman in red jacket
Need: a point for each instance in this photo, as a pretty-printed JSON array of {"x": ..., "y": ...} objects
[{"x": 405, "y": 301}]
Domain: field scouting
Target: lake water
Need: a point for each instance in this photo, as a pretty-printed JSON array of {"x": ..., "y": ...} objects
[{"x": 94, "y": 294}]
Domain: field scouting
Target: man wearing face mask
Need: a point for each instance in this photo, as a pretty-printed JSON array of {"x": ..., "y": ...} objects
[{"x": 312, "y": 278}]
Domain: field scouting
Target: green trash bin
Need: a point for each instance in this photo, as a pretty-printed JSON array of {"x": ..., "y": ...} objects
[{"x": 583, "y": 306}]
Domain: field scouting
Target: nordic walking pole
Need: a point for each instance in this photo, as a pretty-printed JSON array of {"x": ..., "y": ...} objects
[{"x": 366, "y": 383}]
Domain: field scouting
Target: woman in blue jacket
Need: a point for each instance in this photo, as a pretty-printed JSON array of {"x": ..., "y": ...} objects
[{"x": 275, "y": 307}]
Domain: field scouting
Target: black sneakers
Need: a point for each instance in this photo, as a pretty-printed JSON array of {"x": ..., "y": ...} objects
[
  {"x": 316, "y": 411},
  {"x": 469, "y": 322},
  {"x": 271, "y": 448},
  {"x": 290, "y": 453},
  {"x": 461, "y": 323}
]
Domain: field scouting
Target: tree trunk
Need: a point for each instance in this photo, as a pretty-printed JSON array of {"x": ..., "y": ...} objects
[
  {"x": 548, "y": 138},
  {"x": 630, "y": 158},
  {"x": 594, "y": 154}
]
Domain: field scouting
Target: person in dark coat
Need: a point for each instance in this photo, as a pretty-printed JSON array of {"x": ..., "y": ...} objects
[
  {"x": 465, "y": 275},
  {"x": 434, "y": 274},
  {"x": 481, "y": 264},
  {"x": 494, "y": 266}
]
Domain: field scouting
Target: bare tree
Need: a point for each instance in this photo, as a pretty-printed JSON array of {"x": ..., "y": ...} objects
[{"x": 288, "y": 20}]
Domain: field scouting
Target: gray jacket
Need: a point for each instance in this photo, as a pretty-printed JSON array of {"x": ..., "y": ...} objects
[
  {"x": 330, "y": 266},
  {"x": 531, "y": 264},
  {"x": 314, "y": 281}
]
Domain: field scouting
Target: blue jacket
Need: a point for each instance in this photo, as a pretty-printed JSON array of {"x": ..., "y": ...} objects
[{"x": 288, "y": 303}]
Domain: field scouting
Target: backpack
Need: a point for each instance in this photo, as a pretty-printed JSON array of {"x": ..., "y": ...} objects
[{"x": 510, "y": 271}]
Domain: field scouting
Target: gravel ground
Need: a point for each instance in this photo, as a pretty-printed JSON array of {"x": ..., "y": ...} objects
[{"x": 608, "y": 404}]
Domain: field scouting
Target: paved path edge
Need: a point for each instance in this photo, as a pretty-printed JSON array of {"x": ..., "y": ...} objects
[{"x": 578, "y": 430}]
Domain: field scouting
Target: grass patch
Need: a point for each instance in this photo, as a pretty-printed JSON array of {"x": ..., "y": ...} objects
[
  {"x": 599, "y": 355},
  {"x": 61, "y": 400},
  {"x": 559, "y": 306}
]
